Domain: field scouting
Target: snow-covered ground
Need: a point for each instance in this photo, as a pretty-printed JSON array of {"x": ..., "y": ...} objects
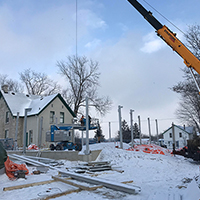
[{"x": 161, "y": 177}]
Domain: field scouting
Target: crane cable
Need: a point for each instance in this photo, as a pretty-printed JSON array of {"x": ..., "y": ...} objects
[
  {"x": 76, "y": 30},
  {"x": 164, "y": 17}
]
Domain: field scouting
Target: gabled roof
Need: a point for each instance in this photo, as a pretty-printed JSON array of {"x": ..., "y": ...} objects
[
  {"x": 17, "y": 102},
  {"x": 188, "y": 130}
]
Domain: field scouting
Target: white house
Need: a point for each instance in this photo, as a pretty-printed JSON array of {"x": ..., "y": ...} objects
[
  {"x": 45, "y": 111},
  {"x": 181, "y": 135}
]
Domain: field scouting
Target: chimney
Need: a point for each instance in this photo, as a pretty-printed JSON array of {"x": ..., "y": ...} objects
[{"x": 4, "y": 88}]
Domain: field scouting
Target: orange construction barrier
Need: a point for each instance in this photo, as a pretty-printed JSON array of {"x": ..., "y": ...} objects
[
  {"x": 149, "y": 148},
  {"x": 12, "y": 167},
  {"x": 32, "y": 146}
]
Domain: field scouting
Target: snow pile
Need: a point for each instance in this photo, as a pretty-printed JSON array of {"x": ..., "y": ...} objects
[{"x": 160, "y": 176}]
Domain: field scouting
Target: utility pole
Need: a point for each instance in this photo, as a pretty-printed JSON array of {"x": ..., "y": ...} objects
[
  {"x": 120, "y": 126},
  {"x": 149, "y": 130},
  {"x": 131, "y": 116},
  {"x": 25, "y": 127}
]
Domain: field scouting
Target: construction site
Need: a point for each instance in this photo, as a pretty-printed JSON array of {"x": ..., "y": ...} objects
[
  {"x": 46, "y": 151},
  {"x": 113, "y": 174}
]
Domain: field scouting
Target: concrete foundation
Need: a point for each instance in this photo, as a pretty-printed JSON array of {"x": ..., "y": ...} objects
[{"x": 59, "y": 155}]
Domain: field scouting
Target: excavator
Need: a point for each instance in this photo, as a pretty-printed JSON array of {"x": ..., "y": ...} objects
[
  {"x": 192, "y": 150},
  {"x": 190, "y": 60}
]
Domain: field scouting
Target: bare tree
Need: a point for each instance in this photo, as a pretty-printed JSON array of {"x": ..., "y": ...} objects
[
  {"x": 83, "y": 78},
  {"x": 13, "y": 85},
  {"x": 38, "y": 83},
  {"x": 193, "y": 39},
  {"x": 189, "y": 106}
]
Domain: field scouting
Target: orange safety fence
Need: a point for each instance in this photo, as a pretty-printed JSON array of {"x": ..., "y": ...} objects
[
  {"x": 32, "y": 146},
  {"x": 12, "y": 167},
  {"x": 149, "y": 148}
]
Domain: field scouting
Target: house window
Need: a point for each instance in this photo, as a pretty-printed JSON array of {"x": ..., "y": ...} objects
[
  {"x": 62, "y": 117},
  {"x": 6, "y": 133},
  {"x": 30, "y": 136},
  {"x": 52, "y": 114},
  {"x": 7, "y": 116},
  {"x": 180, "y": 134},
  {"x": 170, "y": 135}
]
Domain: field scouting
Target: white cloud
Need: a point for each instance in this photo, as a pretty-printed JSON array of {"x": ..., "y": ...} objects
[
  {"x": 137, "y": 80},
  {"x": 151, "y": 43},
  {"x": 91, "y": 20},
  {"x": 93, "y": 44}
]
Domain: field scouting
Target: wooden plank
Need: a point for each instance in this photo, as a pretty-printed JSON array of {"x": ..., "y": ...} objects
[
  {"x": 27, "y": 185},
  {"x": 70, "y": 183},
  {"x": 95, "y": 187},
  {"x": 125, "y": 182}
]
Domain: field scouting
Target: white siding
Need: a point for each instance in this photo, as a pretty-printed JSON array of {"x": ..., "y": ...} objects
[
  {"x": 180, "y": 141},
  {"x": 33, "y": 122}
]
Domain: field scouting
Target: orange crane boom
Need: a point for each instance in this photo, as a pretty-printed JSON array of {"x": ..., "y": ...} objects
[{"x": 170, "y": 38}]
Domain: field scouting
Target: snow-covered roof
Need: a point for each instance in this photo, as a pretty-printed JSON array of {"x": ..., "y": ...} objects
[
  {"x": 189, "y": 129},
  {"x": 18, "y": 102}
]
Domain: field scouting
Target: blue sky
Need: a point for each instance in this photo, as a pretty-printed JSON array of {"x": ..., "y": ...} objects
[{"x": 137, "y": 68}]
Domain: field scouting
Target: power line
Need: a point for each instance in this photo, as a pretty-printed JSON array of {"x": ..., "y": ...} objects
[
  {"x": 76, "y": 28},
  {"x": 162, "y": 119},
  {"x": 164, "y": 17}
]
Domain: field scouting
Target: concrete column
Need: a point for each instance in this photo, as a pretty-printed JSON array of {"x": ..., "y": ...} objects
[
  {"x": 140, "y": 130},
  {"x": 40, "y": 132},
  {"x": 25, "y": 127},
  {"x": 157, "y": 130},
  {"x": 120, "y": 126},
  {"x": 131, "y": 116},
  {"x": 87, "y": 129},
  {"x": 16, "y": 131},
  {"x": 149, "y": 130},
  {"x": 109, "y": 131}
]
